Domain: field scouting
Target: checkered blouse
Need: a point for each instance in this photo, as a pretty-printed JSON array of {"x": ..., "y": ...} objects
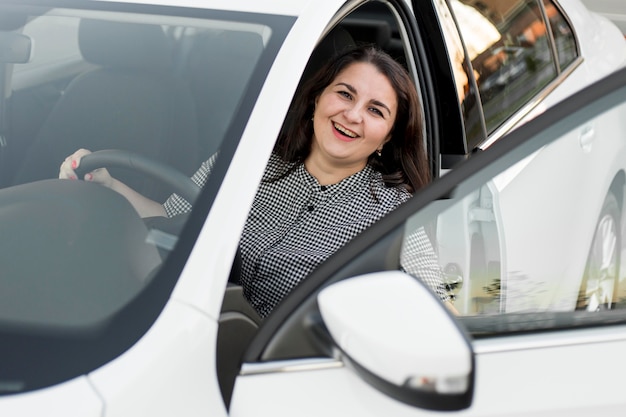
[{"x": 295, "y": 223}]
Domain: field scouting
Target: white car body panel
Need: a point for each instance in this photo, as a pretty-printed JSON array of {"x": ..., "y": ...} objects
[
  {"x": 548, "y": 276},
  {"x": 550, "y": 375},
  {"x": 72, "y": 398},
  {"x": 146, "y": 380},
  {"x": 614, "y": 10},
  {"x": 314, "y": 393}
]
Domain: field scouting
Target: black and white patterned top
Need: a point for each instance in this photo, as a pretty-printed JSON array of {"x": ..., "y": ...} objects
[{"x": 295, "y": 224}]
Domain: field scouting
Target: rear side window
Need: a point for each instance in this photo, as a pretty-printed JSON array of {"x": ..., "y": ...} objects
[
  {"x": 508, "y": 43},
  {"x": 564, "y": 40}
]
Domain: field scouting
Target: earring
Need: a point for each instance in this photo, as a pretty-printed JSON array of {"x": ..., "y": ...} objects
[{"x": 379, "y": 152}]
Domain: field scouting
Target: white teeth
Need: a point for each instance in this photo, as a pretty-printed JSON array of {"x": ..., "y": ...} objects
[{"x": 344, "y": 130}]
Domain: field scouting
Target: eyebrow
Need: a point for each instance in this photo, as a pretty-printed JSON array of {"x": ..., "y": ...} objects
[{"x": 375, "y": 102}]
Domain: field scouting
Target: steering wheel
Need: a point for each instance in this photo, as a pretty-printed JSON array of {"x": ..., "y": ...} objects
[{"x": 179, "y": 182}]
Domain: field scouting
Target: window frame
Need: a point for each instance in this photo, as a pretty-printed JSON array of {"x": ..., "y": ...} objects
[{"x": 510, "y": 122}]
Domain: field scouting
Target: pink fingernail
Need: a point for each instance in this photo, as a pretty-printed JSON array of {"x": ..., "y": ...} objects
[
  {"x": 89, "y": 177},
  {"x": 74, "y": 164}
]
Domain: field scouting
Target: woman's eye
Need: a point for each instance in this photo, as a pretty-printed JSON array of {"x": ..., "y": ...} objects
[
  {"x": 345, "y": 94},
  {"x": 376, "y": 111}
]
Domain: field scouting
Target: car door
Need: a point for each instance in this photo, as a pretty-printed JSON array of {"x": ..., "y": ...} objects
[
  {"x": 514, "y": 58},
  {"x": 360, "y": 337}
]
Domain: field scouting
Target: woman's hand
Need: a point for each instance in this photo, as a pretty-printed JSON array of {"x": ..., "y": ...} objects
[
  {"x": 100, "y": 176},
  {"x": 144, "y": 206}
]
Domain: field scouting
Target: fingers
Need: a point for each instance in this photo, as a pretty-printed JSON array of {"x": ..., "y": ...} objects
[
  {"x": 69, "y": 164},
  {"x": 66, "y": 171}
]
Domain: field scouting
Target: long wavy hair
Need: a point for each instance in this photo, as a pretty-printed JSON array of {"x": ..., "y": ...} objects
[{"x": 403, "y": 161}]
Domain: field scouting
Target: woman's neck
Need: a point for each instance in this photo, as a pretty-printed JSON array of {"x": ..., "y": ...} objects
[{"x": 328, "y": 174}]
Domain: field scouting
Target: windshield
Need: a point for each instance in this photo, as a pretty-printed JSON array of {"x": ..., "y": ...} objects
[{"x": 170, "y": 85}]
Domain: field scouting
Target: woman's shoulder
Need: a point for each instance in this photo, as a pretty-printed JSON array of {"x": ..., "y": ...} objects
[
  {"x": 276, "y": 167},
  {"x": 390, "y": 195}
]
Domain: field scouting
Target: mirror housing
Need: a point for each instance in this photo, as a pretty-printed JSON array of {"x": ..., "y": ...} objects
[{"x": 401, "y": 338}]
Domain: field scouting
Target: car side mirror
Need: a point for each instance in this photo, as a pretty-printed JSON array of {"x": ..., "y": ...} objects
[{"x": 401, "y": 339}]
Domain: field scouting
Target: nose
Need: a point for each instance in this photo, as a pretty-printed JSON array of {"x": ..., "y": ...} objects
[{"x": 353, "y": 114}]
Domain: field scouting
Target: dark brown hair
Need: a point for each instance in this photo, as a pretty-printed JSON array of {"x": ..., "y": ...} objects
[{"x": 403, "y": 161}]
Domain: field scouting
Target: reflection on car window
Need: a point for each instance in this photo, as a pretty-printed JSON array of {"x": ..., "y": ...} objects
[
  {"x": 563, "y": 35},
  {"x": 523, "y": 250},
  {"x": 509, "y": 47},
  {"x": 50, "y": 50},
  {"x": 466, "y": 93},
  {"x": 163, "y": 87}
]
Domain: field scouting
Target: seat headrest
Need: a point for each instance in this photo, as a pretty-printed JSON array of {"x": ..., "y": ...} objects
[
  {"x": 124, "y": 45},
  {"x": 369, "y": 31},
  {"x": 236, "y": 43},
  {"x": 336, "y": 41}
]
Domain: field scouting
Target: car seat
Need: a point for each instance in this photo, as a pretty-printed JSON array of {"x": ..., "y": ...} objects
[
  {"x": 218, "y": 67},
  {"x": 130, "y": 101},
  {"x": 336, "y": 41}
]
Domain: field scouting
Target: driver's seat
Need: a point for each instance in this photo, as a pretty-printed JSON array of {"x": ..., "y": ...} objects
[{"x": 130, "y": 101}]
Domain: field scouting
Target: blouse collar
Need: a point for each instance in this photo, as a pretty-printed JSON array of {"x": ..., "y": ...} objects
[{"x": 363, "y": 176}]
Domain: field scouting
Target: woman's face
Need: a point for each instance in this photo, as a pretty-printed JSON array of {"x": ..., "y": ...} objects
[{"x": 353, "y": 117}]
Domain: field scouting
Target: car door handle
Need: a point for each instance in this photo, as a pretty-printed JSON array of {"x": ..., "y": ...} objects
[{"x": 586, "y": 137}]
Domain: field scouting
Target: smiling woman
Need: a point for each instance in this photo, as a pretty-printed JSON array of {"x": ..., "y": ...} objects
[{"x": 351, "y": 154}]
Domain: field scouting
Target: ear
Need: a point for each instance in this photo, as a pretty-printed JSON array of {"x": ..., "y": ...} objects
[{"x": 314, "y": 106}]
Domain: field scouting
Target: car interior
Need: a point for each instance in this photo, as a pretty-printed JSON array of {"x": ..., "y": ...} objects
[{"x": 153, "y": 96}]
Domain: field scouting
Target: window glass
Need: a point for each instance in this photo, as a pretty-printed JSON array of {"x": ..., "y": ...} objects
[
  {"x": 163, "y": 87},
  {"x": 518, "y": 248},
  {"x": 510, "y": 52},
  {"x": 47, "y": 49},
  {"x": 83, "y": 269},
  {"x": 563, "y": 35},
  {"x": 465, "y": 88}
]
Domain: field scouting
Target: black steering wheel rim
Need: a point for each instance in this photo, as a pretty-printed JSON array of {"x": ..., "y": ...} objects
[{"x": 179, "y": 182}]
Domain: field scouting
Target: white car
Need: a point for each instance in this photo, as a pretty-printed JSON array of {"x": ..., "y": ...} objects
[
  {"x": 614, "y": 10},
  {"x": 105, "y": 314}
]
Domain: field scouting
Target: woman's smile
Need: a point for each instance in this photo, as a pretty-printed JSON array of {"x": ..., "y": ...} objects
[{"x": 344, "y": 133}]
